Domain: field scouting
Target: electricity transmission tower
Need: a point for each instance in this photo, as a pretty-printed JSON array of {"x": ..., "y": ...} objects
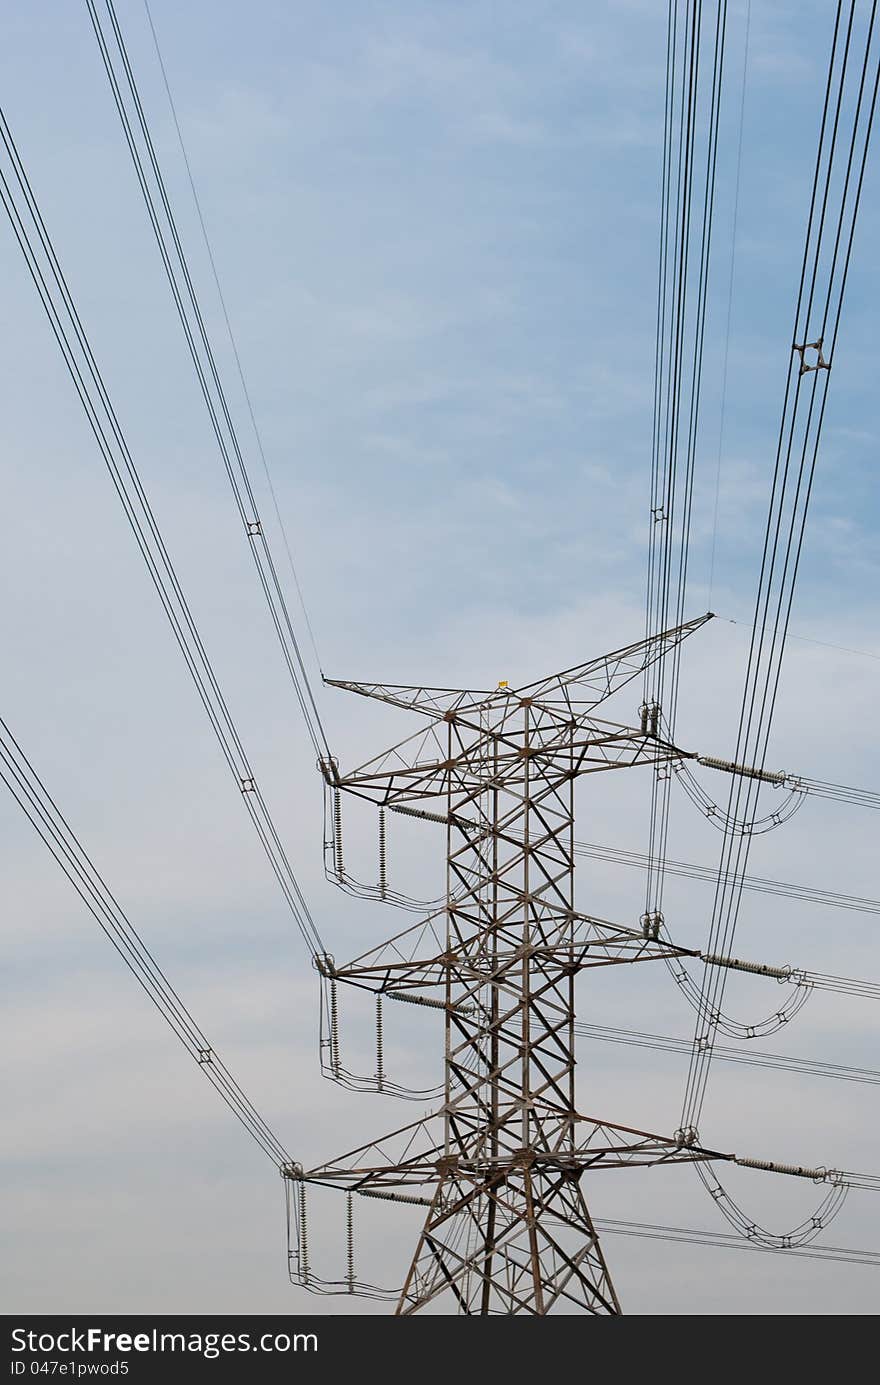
[
  {"x": 500, "y": 1165},
  {"x": 507, "y": 1228}
]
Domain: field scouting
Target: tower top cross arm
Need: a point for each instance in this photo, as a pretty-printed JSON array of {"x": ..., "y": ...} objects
[{"x": 577, "y": 689}]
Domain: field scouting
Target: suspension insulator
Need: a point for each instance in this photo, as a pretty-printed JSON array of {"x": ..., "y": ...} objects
[
  {"x": 643, "y": 718},
  {"x": 429, "y": 1001},
  {"x": 737, "y": 964},
  {"x": 349, "y": 1243},
  {"x": 303, "y": 1235},
  {"x": 745, "y": 771},
  {"x": 396, "y": 1197},
  {"x": 380, "y": 1058},
  {"x": 337, "y": 833},
  {"x": 383, "y": 864},
  {"x": 651, "y": 925},
  {"x": 334, "y": 1028},
  {"x": 817, "y": 1175},
  {"x": 421, "y": 813}
]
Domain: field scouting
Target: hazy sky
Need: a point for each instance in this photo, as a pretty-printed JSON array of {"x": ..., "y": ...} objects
[{"x": 436, "y": 227}]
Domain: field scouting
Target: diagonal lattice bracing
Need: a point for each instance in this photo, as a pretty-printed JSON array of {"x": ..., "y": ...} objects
[{"x": 507, "y": 1228}]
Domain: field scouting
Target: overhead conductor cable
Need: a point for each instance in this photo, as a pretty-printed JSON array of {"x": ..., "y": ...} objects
[{"x": 45, "y": 270}]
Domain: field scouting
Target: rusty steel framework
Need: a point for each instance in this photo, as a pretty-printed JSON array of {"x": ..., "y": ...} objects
[{"x": 507, "y": 1228}]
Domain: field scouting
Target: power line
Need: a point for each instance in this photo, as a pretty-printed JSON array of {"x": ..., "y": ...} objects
[
  {"x": 44, "y": 815},
  {"x": 798, "y": 786},
  {"x": 724, "y": 1241},
  {"x": 677, "y": 398},
  {"x": 232, "y": 340},
  {"x": 156, "y": 200},
  {"x": 45, "y": 270},
  {"x": 606, "y": 1226},
  {"x": 813, "y": 350},
  {"x": 806, "y": 639},
  {"x": 666, "y": 1043},
  {"x": 637, "y": 860},
  {"x": 724, "y": 369}
]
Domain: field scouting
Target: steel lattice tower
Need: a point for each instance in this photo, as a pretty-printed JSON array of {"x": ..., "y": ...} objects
[{"x": 507, "y": 1228}]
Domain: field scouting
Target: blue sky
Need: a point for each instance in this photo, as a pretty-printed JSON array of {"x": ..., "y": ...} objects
[{"x": 436, "y": 228}]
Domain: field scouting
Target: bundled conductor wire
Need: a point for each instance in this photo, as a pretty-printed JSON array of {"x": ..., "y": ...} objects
[
  {"x": 847, "y": 119},
  {"x": 29, "y": 229},
  {"x": 34, "y": 799}
]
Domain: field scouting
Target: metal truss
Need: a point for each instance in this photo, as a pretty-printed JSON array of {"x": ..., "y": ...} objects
[{"x": 507, "y": 1228}]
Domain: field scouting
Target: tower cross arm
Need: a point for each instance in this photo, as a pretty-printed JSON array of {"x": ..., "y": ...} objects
[
  {"x": 431, "y": 702},
  {"x": 606, "y": 1145},
  {"x": 422, "y": 1162},
  {"x": 572, "y": 941},
  {"x": 590, "y": 683},
  {"x": 585, "y": 684},
  {"x": 429, "y": 764}
]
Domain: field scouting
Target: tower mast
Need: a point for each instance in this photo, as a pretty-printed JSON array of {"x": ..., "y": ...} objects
[{"x": 507, "y": 1228}]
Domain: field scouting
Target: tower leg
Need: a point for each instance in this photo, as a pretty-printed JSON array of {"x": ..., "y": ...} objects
[{"x": 520, "y": 1241}]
